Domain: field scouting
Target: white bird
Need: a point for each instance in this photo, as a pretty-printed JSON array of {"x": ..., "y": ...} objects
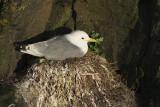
[{"x": 74, "y": 44}]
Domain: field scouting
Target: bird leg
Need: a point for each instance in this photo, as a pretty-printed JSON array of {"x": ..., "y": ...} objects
[{"x": 42, "y": 59}]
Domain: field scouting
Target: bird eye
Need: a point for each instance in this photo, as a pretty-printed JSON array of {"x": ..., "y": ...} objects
[{"x": 82, "y": 38}]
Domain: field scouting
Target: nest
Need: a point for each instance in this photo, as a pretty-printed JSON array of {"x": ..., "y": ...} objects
[{"x": 80, "y": 82}]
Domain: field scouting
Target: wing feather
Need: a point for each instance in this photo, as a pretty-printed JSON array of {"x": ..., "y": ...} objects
[{"x": 58, "y": 48}]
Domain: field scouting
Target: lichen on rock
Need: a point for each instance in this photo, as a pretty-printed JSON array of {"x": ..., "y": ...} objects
[{"x": 78, "y": 82}]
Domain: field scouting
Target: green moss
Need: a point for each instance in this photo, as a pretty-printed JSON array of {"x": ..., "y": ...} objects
[{"x": 96, "y": 47}]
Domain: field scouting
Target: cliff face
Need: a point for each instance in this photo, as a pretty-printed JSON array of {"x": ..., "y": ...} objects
[{"x": 149, "y": 61}]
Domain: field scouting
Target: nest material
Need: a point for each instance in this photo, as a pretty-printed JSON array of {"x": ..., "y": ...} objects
[{"x": 78, "y": 82}]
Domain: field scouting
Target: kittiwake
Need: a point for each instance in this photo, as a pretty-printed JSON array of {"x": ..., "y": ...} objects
[{"x": 74, "y": 44}]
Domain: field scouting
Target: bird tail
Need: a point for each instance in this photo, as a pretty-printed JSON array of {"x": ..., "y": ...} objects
[{"x": 26, "y": 48}]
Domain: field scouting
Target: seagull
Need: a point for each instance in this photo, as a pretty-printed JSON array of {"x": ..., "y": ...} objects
[{"x": 74, "y": 44}]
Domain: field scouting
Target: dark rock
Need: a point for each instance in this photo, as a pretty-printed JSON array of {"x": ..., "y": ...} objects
[{"x": 150, "y": 63}]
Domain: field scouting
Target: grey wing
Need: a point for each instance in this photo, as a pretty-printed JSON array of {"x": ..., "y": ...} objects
[
  {"x": 58, "y": 48},
  {"x": 37, "y": 49}
]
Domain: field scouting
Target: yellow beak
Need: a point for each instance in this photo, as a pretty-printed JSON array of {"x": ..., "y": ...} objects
[{"x": 91, "y": 40}]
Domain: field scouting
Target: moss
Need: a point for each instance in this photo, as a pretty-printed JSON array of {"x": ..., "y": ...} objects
[{"x": 97, "y": 46}]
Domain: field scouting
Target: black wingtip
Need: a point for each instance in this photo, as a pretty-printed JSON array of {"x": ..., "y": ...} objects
[{"x": 19, "y": 46}]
